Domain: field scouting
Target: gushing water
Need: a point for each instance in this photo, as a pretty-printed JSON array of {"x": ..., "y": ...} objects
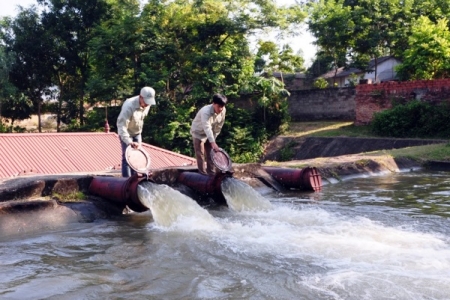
[
  {"x": 346, "y": 246},
  {"x": 242, "y": 197},
  {"x": 169, "y": 207}
]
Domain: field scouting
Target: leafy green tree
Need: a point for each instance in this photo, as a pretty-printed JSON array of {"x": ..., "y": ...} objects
[
  {"x": 373, "y": 30},
  {"x": 270, "y": 59},
  {"x": 116, "y": 50},
  {"x": 6, "y": 88},
  {"x": 71, "y": 25},
  {"x": 368, "y": 29},
  {"x": 321, "y": 83},
  {"x": 331, "y": 24},
  {"x": 31, "y": 46},
  {"x": 16, "y": 107},
  {"x": 322, "y": 64},
  {"x": 428, "y": 54},
  {"x": 186, "y": 50}
]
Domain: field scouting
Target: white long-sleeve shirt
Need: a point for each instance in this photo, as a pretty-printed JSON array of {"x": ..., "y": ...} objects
[
  {"x": 207, "y": 124},
  {"x": 131, "y": 119}
]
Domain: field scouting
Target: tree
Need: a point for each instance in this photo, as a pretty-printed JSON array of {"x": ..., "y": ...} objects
[
  {"x": 373, "y": 31},
  {"x": 322, "y": 64},
  {"x": 13, "y": 105},
  {"x": 116, "y": 49},
  {"x": 29, "y": 42},
  {"x": 428, "y": 54},
  {"x": 270, "y": 59},
  {"x": 16, "y": 107},
  {"x": 331, "y": 24},
  {"x": 71, "y": 24},
  {"x": 186, "y": 50},
  {"x": 321, "y": 83},
  {"x": 6, "y": 88}
]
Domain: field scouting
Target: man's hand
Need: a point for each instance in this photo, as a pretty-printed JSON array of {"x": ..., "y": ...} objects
[
  {"x": 135, "y": 145},
  {"x": 215, "y": 147}
]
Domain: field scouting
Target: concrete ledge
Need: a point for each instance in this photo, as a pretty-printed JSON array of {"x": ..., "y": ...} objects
[
  {"x": 435, "y": 165},
  {"x": 312, "y": 147}
]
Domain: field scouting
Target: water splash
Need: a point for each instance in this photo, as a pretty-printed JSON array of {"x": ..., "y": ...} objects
[
  {"x": 343, "y": 257},
  {"x": 242, "y": 197},
  {"x": 170, "y": 208}
]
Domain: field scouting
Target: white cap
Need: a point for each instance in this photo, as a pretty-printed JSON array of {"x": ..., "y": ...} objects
[{"x": 148, "y": 94}]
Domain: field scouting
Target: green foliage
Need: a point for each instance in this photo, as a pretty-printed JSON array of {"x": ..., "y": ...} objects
[
  {"x": 95, "y": 120},
  {"x": 353, "y": 80},
  {"x": 3, "y": 127},
  {"x": 356, "y": 31},
  {"x": 168, "y": 125},
  {"x": 16, "y": 107},
  {"x": 287, "y": 152},
  {"x": 242, "y": 135},
  {"x": 322, "y": 64},
  {"x": 321, "y": 83},
  {"x": 28, "y": 43},
  {"x": 270, "y": 59},
  {"x": 413, "y": 119},
  {"x": 7, "y": 89},
  {"x": 428, "y": 54},
  {"x": 331, "y": 24}
]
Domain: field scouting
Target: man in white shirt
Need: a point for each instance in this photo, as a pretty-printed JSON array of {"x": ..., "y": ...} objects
[
  {"x": 205, "y": 128},
  {"x": 131, "y": 121}
]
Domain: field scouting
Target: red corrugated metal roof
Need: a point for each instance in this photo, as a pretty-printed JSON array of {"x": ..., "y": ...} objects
[{"x": 57, "y": 153}]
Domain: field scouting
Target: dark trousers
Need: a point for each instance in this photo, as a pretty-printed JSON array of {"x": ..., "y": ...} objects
[
  {"x": 126, "y": 170},
  {"x": 203, "y": 155}
]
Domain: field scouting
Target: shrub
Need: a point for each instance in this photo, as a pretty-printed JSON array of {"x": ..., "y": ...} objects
[
  {"x": 321, "y": 83},
  {"x": 413, "y": 119}
]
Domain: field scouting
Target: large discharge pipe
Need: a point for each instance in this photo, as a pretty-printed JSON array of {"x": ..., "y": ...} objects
[
  {"x": 205, "y": 185},
  {"x": 307, "y": 179},
  {"x": 122, "y": 191}
]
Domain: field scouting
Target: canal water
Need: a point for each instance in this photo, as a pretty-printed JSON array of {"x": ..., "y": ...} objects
[{"x": 382, "y": 237}]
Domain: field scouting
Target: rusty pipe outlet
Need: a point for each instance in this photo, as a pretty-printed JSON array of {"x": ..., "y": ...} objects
[
  {"x": 122, "y": 191},
  {"x": 205, "y": 185},
  {"x": 307, "y": 179}
]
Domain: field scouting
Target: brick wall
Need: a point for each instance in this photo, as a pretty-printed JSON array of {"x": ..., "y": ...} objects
[
  {"x": 359, "y": 103},
  {"x": 371, "y": 98}
]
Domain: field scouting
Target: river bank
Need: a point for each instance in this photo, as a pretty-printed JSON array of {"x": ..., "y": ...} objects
[{"x": 60, "y": 199}]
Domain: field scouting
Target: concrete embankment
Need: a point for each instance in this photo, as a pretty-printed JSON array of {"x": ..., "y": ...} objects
[{"x": 312, "y": 147}]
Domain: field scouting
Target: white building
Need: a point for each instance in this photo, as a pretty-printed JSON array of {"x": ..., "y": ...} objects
[{"x": 385, "y": 71}]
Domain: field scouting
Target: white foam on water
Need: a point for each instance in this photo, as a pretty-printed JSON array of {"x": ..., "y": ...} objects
[
  {"x": 348, "y": 258},
  {"x": 317, "y": 234},
  {"x": 172, "y": 209},
  {"x": 241, "y": 197},
  {"x": 354, "y": 256}
]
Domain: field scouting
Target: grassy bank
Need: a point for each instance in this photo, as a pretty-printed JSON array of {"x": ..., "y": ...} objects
[
  {"x": 439, "y": 152},
  {"x": 327, "y": 129}
]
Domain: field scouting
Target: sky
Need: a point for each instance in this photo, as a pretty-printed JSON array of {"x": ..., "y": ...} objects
[{"x": 302, "y": 42}]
